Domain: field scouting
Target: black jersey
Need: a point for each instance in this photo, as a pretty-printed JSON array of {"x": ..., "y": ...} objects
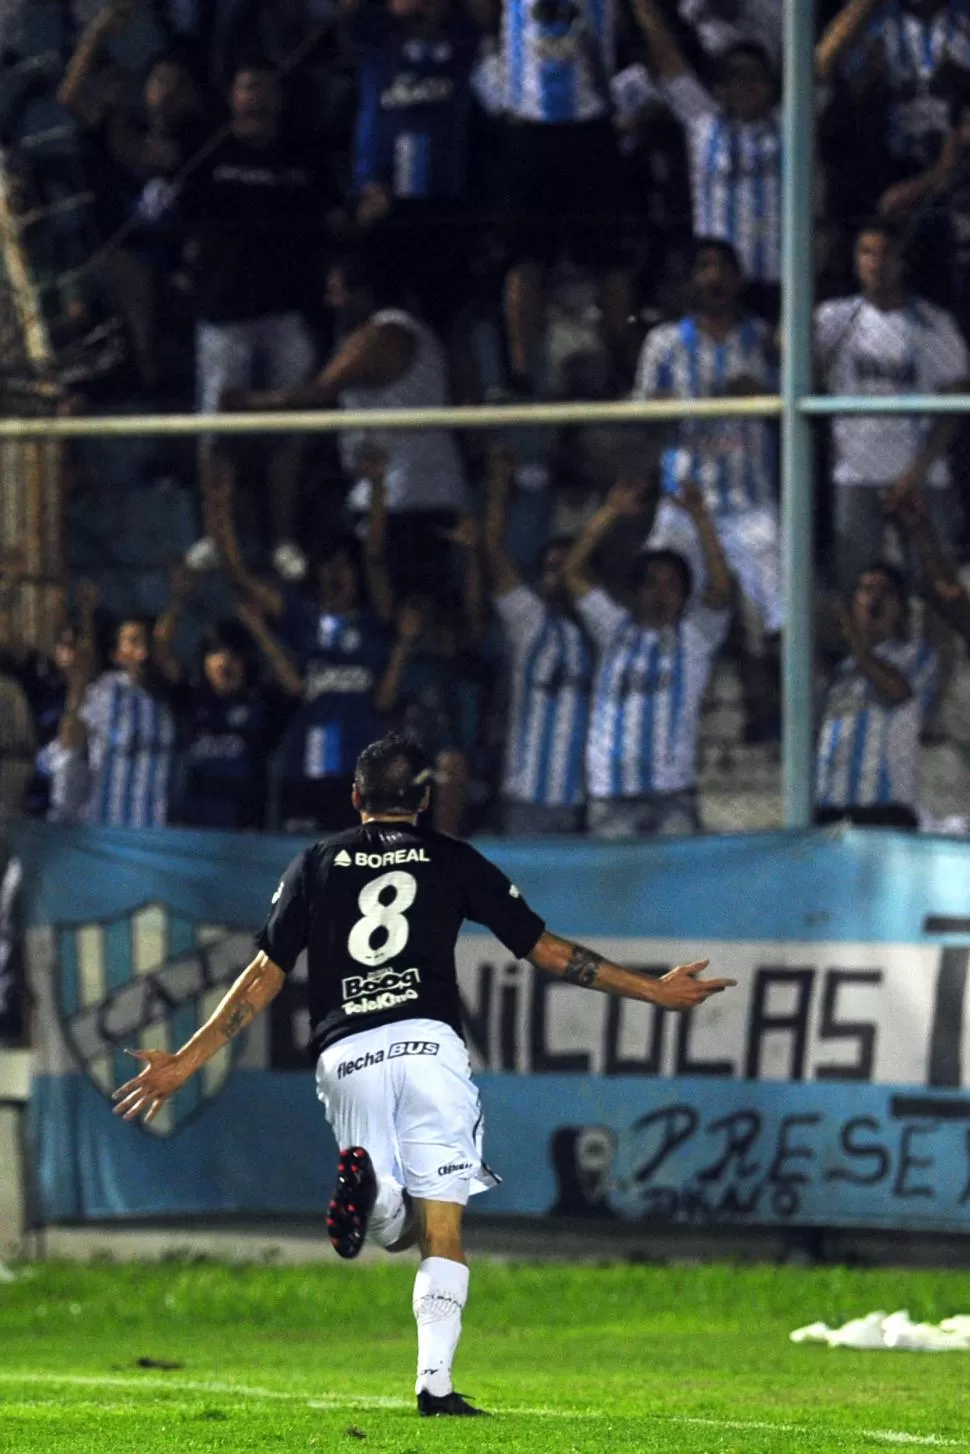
[{"x": 378, "y": 910}]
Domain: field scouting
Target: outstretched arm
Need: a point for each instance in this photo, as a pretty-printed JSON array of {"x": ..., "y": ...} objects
[
  {"x": 72, "y": 92},
  {"x": 891, "y": 685},
  {"x": 625, "y": 500},
  {"x": 284, "y": 672},
  {"x": 665, "y": 55},
  {"x": 372, "y": 465},
  {"x": 911, "y": 195},
  {"x": 574, "y": 963},
  {"x": 938, "y": 573},
  {"x": 167, "y": 625},
  {"x": 372, "y": 356},
  {"x": 221, "y": 524},
  {"x": 501, "y": 474},
  {"x": 841, "y": 34},
  {"x": 717, "y": 595},
  {"x": 163, "y": 1073}
]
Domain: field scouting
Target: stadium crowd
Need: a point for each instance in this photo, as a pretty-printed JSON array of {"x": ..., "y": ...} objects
[{"x": 391, "y": 203}]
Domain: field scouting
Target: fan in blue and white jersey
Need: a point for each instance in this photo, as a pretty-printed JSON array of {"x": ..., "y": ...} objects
[
  {"x": 721, "y": 26},
  {"x": 918, "y": 50},
  {"x": 550, "y": 663},
  {"x": 114, "y": 759},
  {"x": 875, "y": 704},
  {"x": 718, "y": 350},
  {"x": 559, "y": 56},
  {"x": 734, "y": 144},
  {"x": 654, "y": 664}
]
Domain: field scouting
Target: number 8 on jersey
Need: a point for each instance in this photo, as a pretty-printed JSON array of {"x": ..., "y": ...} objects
[{"x": 384, "y": 914}]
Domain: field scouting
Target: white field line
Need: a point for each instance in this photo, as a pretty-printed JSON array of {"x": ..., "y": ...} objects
[
  {"x": 882, "y": 1436},
  {"x": 328, "y": 1402}
]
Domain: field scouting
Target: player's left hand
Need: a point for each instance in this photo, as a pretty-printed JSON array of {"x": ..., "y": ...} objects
[{"x": 148, "y": 1091}]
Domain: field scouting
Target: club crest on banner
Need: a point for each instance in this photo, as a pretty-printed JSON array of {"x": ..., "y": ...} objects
[{"x": 146, "y": 981}]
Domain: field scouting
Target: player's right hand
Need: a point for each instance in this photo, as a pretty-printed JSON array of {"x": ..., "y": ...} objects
[
  {"x": 682, "y": 990},
  {"x": 147, "y": 1092}
]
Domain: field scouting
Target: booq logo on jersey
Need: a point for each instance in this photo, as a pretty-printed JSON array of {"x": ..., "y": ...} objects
[{"x": 146, "y": 981}]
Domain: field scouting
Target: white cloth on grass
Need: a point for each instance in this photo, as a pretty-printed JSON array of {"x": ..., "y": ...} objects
[{"x": 891, "y": 1331}]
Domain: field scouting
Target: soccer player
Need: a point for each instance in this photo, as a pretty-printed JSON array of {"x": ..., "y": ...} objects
[
  {"x": 378, "y": 910},
  {"x": 551, "y": 676}
]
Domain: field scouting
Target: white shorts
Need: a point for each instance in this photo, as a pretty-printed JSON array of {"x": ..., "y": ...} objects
[
  {"x": 405, "y": 1093},
  {"x": 276, "y": 351}
]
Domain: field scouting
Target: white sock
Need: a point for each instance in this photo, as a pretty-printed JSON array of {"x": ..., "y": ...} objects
[
  {"x": 440, "y": 1293},
  {"x": 389, "y": 1214}
]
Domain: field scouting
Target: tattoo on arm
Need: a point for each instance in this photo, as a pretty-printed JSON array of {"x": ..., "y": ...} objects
[
  {"x": 582, "y": 967},
  {"x": 238, "y": 1019}
]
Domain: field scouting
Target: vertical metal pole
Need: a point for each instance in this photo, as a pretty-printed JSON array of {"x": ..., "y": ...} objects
[{"x": 796, "y": 381}]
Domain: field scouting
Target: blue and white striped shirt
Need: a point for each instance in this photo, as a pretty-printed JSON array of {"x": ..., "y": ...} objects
[
  {"x": 131, "y": 744},
  {"x": 647, "y": 698},
  {"x": 911, "y": 51},
  {"x": 559, "y": 70},
  {"x": 733, "y": 460},
  {"x": 551, "y": 678},
  {"x": 868, "y": 751},
  {"x": 735, "y": 176}
]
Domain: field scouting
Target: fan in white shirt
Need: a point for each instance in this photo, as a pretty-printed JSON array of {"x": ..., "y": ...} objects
[
  {"x": 885, "y": 341},
  {"x": 386, "y": 359},
  {"x": 654, "y": 664}
]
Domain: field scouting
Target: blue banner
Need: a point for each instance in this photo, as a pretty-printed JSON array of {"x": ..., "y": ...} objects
[
  {"x": 829, "y": 1087},
  {"x": 750, "y": 1151}
]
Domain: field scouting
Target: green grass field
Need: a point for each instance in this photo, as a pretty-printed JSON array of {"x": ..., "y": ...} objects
[{"x": 690, "y": 1360}]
